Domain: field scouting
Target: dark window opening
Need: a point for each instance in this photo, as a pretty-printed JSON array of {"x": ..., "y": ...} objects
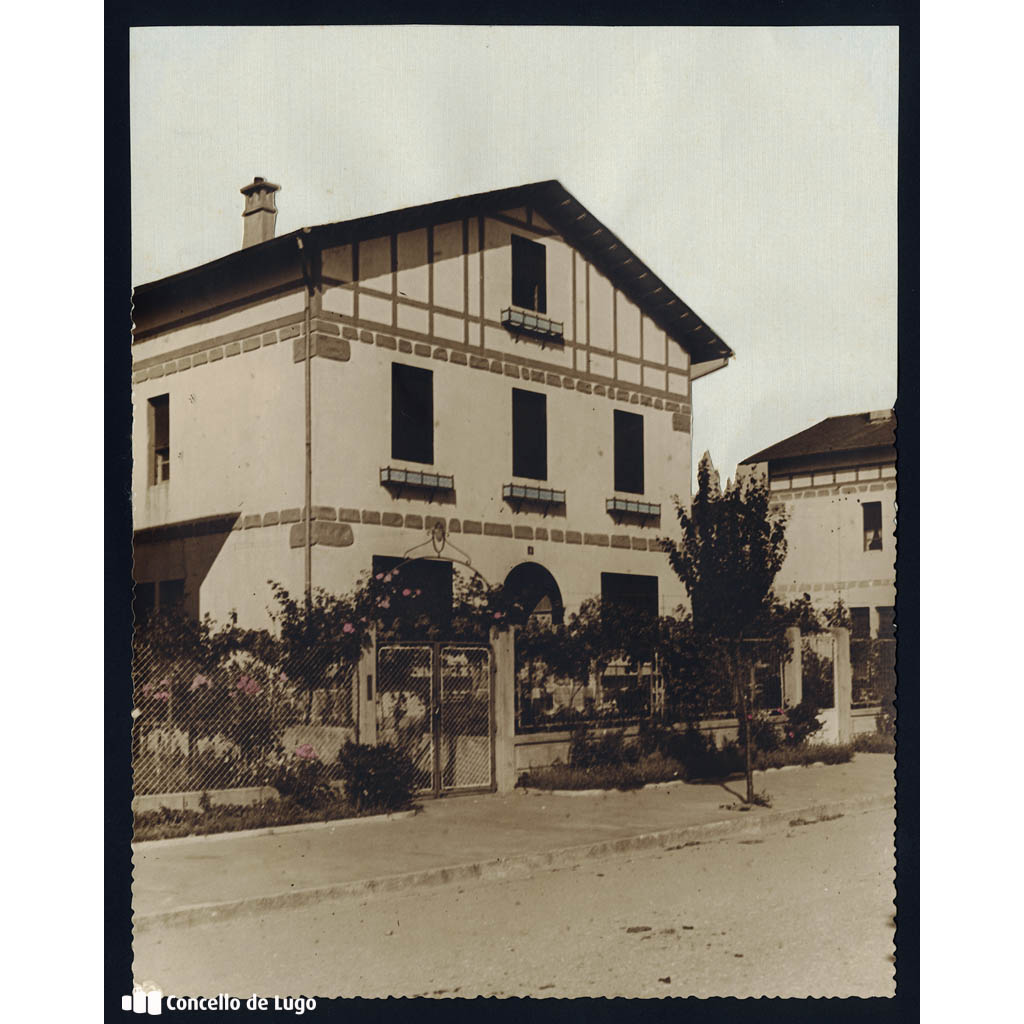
[
  {"x": 429, "y": 585},
  {"x": 163, "y": 595},
  {"x": 160, "y": 439},
  {"x": 412, "y": 413},
  {"x": 629, "y": 452},
  {"x": 887, "y": 622},
  {"x": 638, "y": 593},
  {"x": 529, "y": 274},
  {"x": 529, "y": 434},
  {"x": 860, "y": 620},
  {"x": 872, "y": 525}
]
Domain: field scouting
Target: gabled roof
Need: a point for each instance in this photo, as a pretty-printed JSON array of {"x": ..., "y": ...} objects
[
  {"x": 855, "y": 432},
  {"x": 551, "y": 199}
]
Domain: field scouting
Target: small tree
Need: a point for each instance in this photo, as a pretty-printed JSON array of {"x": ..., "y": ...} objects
[{"x": 732, "y": 547}]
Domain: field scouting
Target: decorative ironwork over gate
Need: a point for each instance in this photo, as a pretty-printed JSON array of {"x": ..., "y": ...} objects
[{"x": 436, "y": 702}]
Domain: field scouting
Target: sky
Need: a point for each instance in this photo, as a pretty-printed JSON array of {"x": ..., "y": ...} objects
[{"x": 753, "y": 169}]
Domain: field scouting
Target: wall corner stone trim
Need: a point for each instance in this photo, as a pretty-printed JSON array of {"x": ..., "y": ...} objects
[
  {"x": 681, "y": 422},
  {"x": 325, "y": 512},
  {"x": 271, "y": 518},
  {"x": 291, "y": 331},
  {"x": 334, "y": 535},
  {"x": 250, "y": 522},
  {"x": 350, "y": 332},
  {"x": 291, "y": 515}
]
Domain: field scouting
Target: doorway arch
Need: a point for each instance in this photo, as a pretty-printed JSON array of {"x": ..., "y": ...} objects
[{"x": 535, "y": 589}]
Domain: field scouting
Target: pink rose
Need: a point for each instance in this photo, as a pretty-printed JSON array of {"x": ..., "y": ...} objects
[
  {"x": 406, "y": 592},
  {"x": 306, "y": 752},
  {"x": 348, "y": 628}
]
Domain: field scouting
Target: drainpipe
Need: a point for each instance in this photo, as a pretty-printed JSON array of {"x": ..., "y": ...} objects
[{"x": 304, "y": 256}]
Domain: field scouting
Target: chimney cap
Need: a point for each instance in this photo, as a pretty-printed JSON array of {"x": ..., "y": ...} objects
[{"x": 259, "y": 185}]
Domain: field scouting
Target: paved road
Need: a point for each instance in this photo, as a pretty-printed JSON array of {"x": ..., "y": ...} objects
[{"x": 805, "y": 911}]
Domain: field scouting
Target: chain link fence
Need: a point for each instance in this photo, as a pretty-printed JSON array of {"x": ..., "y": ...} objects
[
  {"x": 873, "y": 664},
  {"x": 215, "y": 719}
]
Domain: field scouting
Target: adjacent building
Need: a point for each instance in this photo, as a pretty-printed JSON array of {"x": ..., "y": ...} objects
[
  {"x": 499, "y": 367},
  {"x": 837, "y": 481}
]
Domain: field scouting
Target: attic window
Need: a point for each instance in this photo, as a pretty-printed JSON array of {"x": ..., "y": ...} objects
[{"x": 529, "y": 275}]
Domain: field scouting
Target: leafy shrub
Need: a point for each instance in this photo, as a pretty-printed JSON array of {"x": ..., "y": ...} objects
[
  {"x": 587, "y": 750},
  {"x": 874, "y": 743},
  {"x": 304, "y": 779},
  {"x": 801, "y": 722},
  {"x": 378, "y": 778},
  {"x": 765, "y": 731}
]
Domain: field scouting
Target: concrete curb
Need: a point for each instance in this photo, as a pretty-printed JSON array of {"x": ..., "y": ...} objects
[
  {"x": 271, "y": 830},
  {"x": 503, "y": 867}
]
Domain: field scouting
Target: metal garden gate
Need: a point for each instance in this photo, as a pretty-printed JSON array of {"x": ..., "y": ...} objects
[{"x": 436, "y": 702}]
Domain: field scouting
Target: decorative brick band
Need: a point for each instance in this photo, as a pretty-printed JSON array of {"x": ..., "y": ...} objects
[
  {"x": 335, "y": 535},
  {"x": 332, "y": 333},
  {"x": 331, "y": 527}
]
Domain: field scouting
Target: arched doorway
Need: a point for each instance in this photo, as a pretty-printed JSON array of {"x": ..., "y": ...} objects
[{"x": 533, "y": 587}]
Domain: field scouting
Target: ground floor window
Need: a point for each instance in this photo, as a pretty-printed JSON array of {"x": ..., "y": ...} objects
[
  {"x": 639, "y": 593},
  {"x": 158, "y": 595}
]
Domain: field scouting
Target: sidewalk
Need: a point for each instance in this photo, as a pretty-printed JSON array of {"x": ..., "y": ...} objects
[{"x": 472, "y": 837}]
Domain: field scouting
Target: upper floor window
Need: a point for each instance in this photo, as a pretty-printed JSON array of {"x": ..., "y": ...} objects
[
  {"x": 529, "y": 274},
  {"x": 529, "y": 434},
  {"x": 629, "y": 452},
  {"x": 412, "y": 413},
  {"x": 872, "y": 525},
  {"x": 159, "y": 439}
]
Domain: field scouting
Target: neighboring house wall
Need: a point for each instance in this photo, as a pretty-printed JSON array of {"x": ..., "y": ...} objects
[
  {"x": 430, "y": 298},
  {"x": 826, "y": 555}
]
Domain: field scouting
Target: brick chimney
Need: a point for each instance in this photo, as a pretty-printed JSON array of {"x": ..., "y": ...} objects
[{"x": 260, "y": 213}]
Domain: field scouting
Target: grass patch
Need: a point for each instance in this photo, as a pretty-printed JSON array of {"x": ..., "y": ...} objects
[
  {"x": 172, "y": 824},
  {"x": 874, "y": 743},
  {"x": 805, "y": 754},
  {"x": 653, "y": 768}
]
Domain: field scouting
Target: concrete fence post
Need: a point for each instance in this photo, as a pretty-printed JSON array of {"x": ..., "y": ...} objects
[
  {"x": 366, "y": 683},
  {"x": 842, "y": 675},
  {"x": 503, "y": 644},
  {"x": 793, "y": 670}
]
